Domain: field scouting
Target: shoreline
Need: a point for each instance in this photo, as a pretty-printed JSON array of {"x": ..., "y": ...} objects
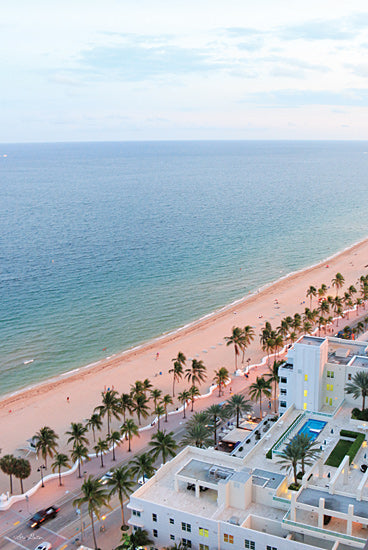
[{"x": 173, "y": 334}]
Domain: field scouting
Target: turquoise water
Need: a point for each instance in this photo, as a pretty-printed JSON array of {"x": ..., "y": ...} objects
[
  {"x": 312, "y": 428},
  {"x": 107, "y": 245}
]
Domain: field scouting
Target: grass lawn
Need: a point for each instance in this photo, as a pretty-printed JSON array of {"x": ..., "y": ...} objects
[{"x": 341, "y": 449}]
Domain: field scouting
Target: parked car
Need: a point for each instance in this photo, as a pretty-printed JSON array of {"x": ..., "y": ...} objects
[
  {"x": 44, "y": 546},
  {"x": 42, "y": 515},
  {"x": 105, "y": 478}
]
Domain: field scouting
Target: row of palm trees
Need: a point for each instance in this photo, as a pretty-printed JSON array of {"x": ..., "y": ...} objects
[{"x": 240, "y": 338}]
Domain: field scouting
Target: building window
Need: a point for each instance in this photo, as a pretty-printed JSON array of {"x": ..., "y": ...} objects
[
  {"x": 154, "y": 517},
  {"x": 228, "y": 538},
  {"x": 204, "y": 547},
  {"x": 306, "y": 378},
  {"x": 330, "y": 374},
  {"x": 155, "y": 534},
  {"x": 327, "y": 400},
  {"x": 283, "y": 391},
  {"x": 305, "y": 393},
  {"x": 172, "y": 521},
  {"x": 172, "y": 537},
  {"x": 329, "y": 387},
  {"x": 283, "y": 380},
  {"x": 203, "y": 532},
  {"x": 349, "y": 376},
  {"x": 136, "y": 513},
  {"x": 271, "y": 547},
  {"x": 186, "y": 543},
  {"x": 283, "y": 404},
  {"x": 186, "y": 527},
  {"x": 249, "y": 544},
  {"x": 305, "y": 406},
  {"x": 330, "y": 401}
]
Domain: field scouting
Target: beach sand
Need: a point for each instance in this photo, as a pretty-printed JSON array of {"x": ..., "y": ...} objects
[{"x": 24, "y": 413}]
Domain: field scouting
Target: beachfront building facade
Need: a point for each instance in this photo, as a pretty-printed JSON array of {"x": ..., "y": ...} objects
[
  {"x": 210, "y": 500},
  {"x": 316, "y": 372}
]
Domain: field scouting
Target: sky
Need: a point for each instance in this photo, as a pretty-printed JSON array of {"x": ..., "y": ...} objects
[{"x": 117, "y": 70}]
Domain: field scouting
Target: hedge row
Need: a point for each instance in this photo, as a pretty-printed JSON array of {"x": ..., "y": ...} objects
[{"x": 344, "y": 447}]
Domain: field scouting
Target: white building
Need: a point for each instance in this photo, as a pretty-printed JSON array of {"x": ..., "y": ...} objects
[{"x": 212, "y": 500}]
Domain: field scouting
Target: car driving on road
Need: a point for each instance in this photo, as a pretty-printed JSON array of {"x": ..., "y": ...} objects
[{"x": 42, "y": 515}]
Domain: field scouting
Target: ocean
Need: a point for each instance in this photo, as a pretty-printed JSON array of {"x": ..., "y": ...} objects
[{"x": 107, "y": 245}]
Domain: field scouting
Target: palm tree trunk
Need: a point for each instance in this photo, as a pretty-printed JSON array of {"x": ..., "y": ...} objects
[
  {"x": 113, "y": 450},
  {"x": 122, "y": 510},
  {"x": 184, "y": 410},
  {"x": 93, "y": 531},
  {"x": 60, "y": 484},
  {"x": 129, "y": 444},
  {"x": 165, "y": 413},
  {"x": 21, "y": 485},
  {"x": 274, "y": 403},
  {"x": 79, "y": 469},
  {"x": 94, "y": 435},
  {"x": 158, "y": 422},
  {"x": 108, "y": 423},
  {"x": 192, "y": 404},
  {"x": 237, "y": 417},
  {"x": 260, "y": 406},
  {"x": 294, "y": 470},
  {"x": 174, "y": 386},
  {"x": 101, "y": 456},
  {"x": 11, "y": 483}
]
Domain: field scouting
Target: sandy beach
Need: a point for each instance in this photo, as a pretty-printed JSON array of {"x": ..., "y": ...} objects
[{"x": 23, "y": 413}]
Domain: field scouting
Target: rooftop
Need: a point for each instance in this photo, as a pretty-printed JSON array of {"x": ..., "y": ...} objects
[
  {"x": 311, "y": 340},
  {"x": 359, "y": 362}
]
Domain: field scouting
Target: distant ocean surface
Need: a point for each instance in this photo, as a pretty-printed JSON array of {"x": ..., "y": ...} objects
[{"x": 107, "y": 245}]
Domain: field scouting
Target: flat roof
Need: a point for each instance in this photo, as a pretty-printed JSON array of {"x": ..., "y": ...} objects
[
  {"x": 311, "y": 340},
  {"x": 359, "y": 361},
  {"x": 337, "y": 503},
  {"x": 205, "y": 471},
  {"x": 269, "y": 479}
]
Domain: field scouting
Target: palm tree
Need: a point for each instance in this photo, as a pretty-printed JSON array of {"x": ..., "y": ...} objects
[
  {"x": 221, "y": 377},
  {"x": 247, "y": 337},
  {"x": 45, "y": 442},
  {"x": 22, "y": 470},
  {"x": 110, "y": 407},
  {"x": 324, "y": 307},
  {"x": 137, "y": 389},
  {"x": 311, "y": 292},
  {"x": 322, "y": 290},
  {"x": 79, "y": 453},
  {"x": 140, "y": 406},
  {"x": 101, "y": 448},
  {"x": 358, "y": 387},
  {"x": 94, "y": 423},
  {"x": 197, "y": 435},
  {"x": 297, "y": 321},
  {"x": 290, "y": 458},
  {"x": 215, "y": 413},
  {"x": 129, "y": 428},
  {"x": 307, "y": 327},
  {"x": 235, "y": 340},
  {"x": 273, "y": 377},
  {"x": 126, "y": 404},
  {"x": 61, "y": 461},
  {"x": 155, "y": 394},
  {"x": 183, "y": 397},
  {"x": 114, "y": 438},
  {"x": 309, "y": 450},
  {"x": 7, "y": 466},
  {"x": 166, "y": 400},
  {"x": 163, "y": 444},
  {"x": 265, "y": 336},
  {"x": 261, "y": 387},
  {"x": 360, "y": 328},
  {"x": 94, "y": 495},
  {"x": 142, "y": 466},
  {"x": 177, "y": 372},
  {"x": 140, "y": 539},
  {"x": 193, "y": 392},
  {"x": 237, "y": 405},
  {"x": 159, "y": 411},
  {"x": 121, "y": 484},
  {"x": 146, "y": 384},
  {"x": 77, "y": 433},
  {"x": 338, "y": 282},
  {"x": 196, "y": 373}
]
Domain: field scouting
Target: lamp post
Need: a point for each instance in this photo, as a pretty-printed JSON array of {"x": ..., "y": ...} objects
[{"x": 40, "y": 469}]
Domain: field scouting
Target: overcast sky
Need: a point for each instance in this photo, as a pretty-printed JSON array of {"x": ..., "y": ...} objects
[{"x": 88, "y": 70}]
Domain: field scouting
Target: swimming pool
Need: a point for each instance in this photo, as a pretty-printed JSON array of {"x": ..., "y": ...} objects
[{"x": 312, "y": 428}]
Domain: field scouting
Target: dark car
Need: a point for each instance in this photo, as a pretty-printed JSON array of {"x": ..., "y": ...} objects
[{"x": 43, "y": 515}]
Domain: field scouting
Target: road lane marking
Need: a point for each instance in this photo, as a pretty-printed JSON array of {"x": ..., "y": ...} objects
[
  {"x": 63, "y": 547},
  {"x": 16, "y": 542},
  {"x": 16, "y": 523}
]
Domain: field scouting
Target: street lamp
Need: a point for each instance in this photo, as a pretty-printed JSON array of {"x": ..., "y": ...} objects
[{"x": 40, "y": 469}]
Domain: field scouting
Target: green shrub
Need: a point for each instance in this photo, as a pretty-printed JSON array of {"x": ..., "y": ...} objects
[
  {"x": 294, "y": 486},
  {"x": 299, "y": 475},
  {"x": 348, "y": 433},
  {"x": 357, "y": 414},
  {"x": 345, "y": 447}
]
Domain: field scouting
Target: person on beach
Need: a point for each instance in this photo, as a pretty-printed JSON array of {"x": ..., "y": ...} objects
[
  {"x": 67, "y": 400},
  {"x": 157, "y": 355}
]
